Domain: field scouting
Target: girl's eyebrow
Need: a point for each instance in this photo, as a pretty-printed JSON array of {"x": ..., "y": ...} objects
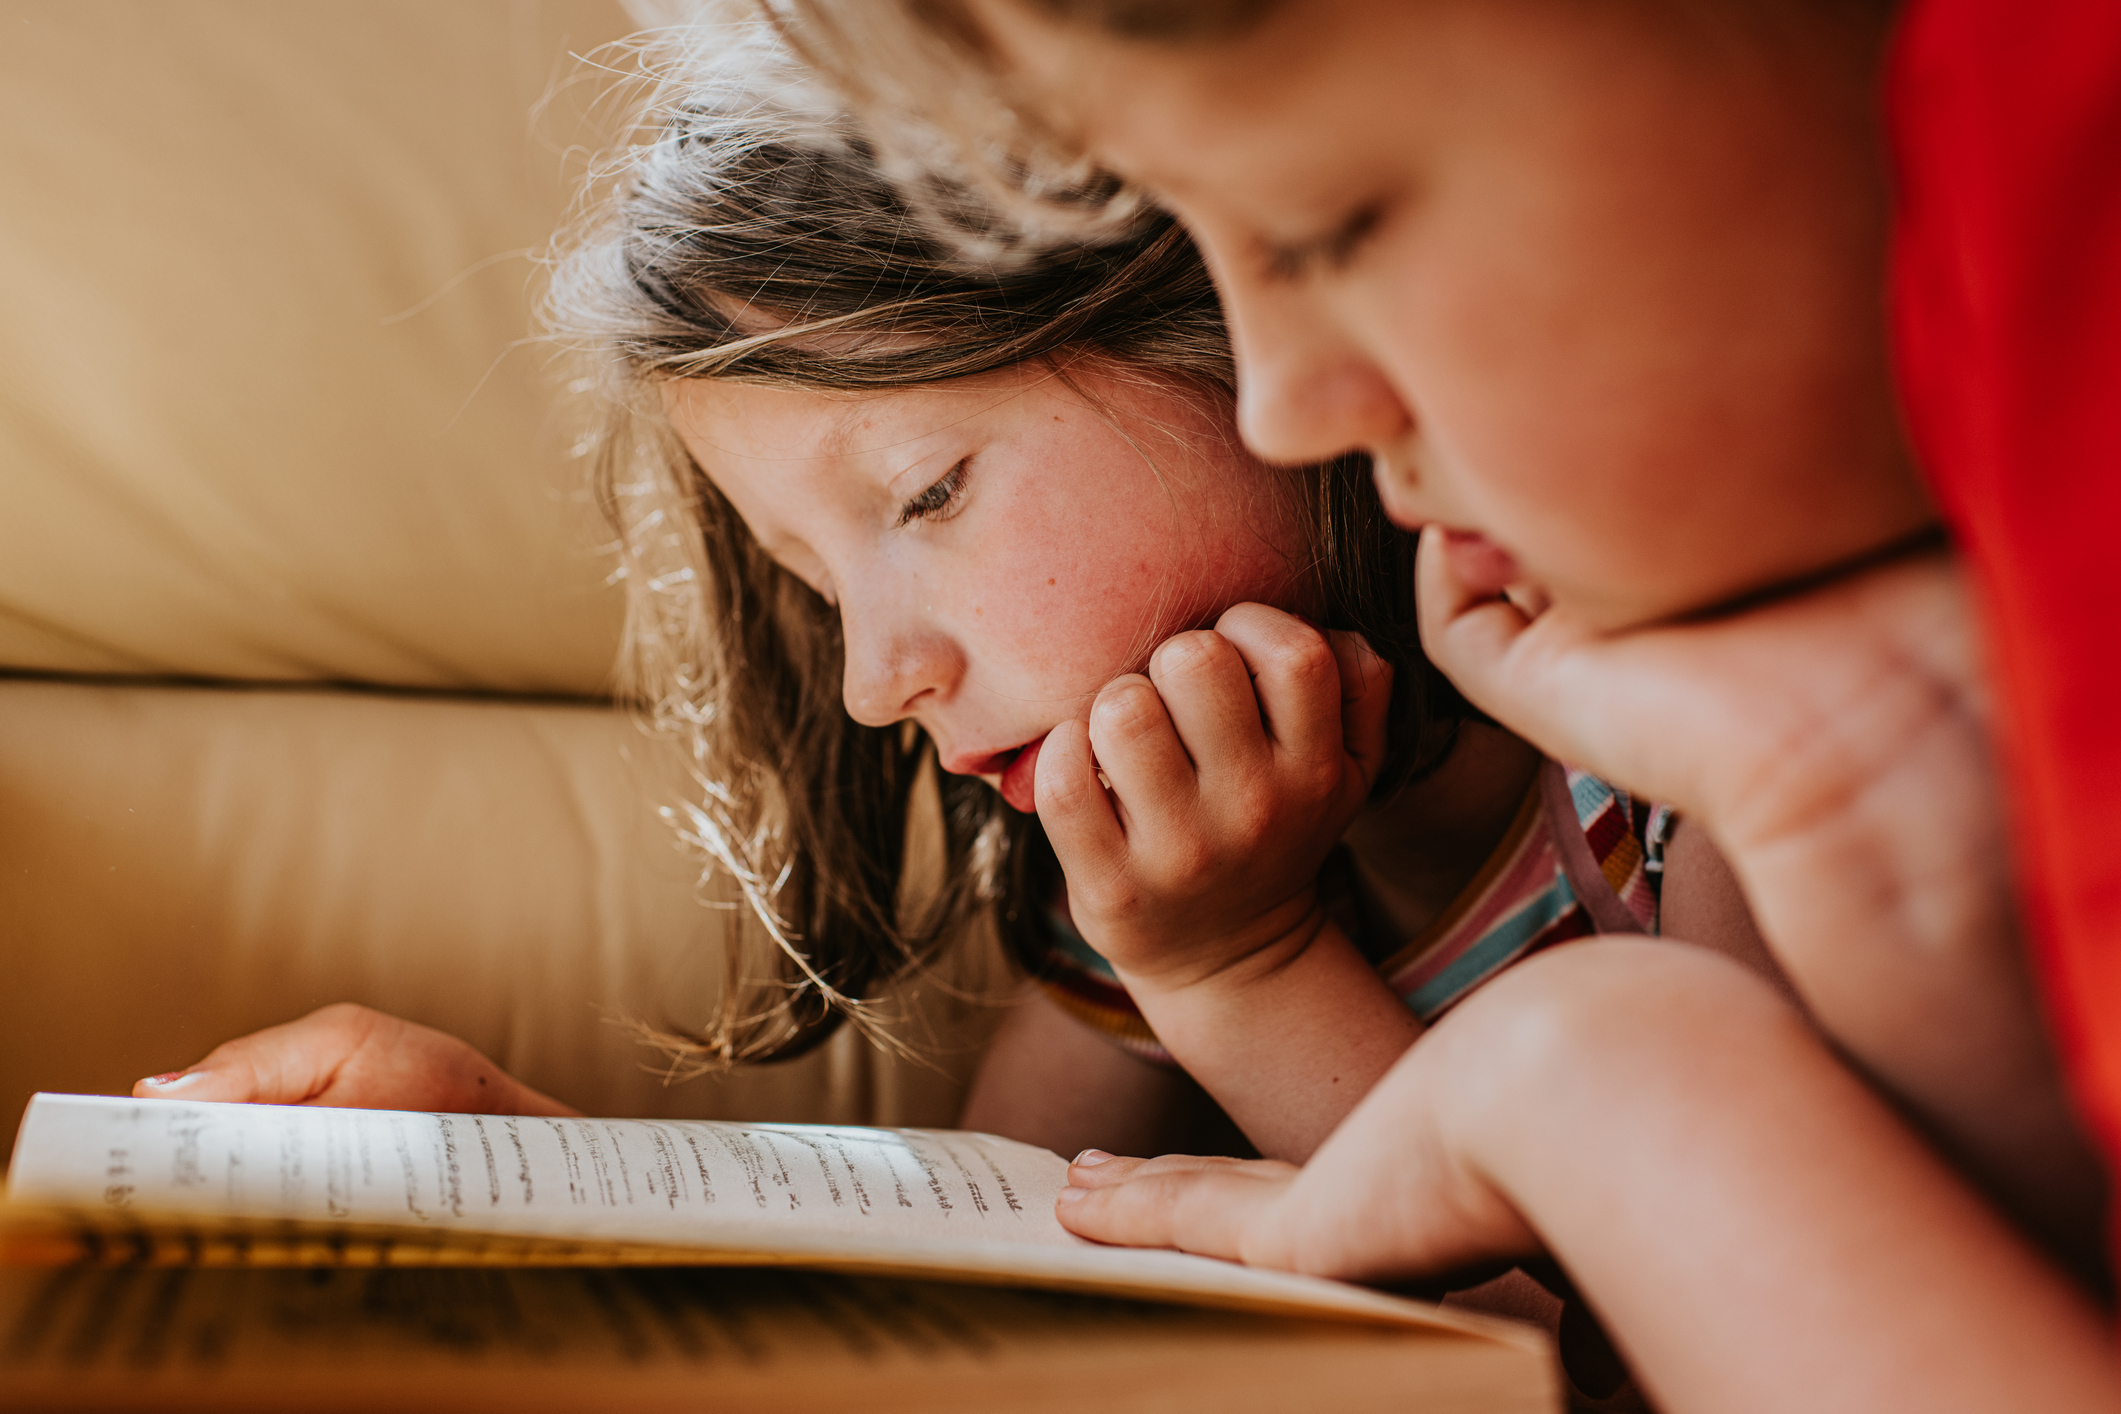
[
  {"x": 838, "y": 440},
  {"x": 870, "y": 459}
]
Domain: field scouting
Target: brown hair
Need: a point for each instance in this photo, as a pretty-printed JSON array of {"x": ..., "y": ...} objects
[{"x": 751, "y": 203}]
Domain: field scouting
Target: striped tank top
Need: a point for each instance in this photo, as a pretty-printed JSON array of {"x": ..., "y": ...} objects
[{"x": 1581, "y": 857}]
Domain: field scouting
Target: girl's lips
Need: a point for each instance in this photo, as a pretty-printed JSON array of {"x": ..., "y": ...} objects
[
  {"x": 1478, "y": 563},
  {"x": 1020, "y": 779},
  {"x": 1013, "y": 772}
]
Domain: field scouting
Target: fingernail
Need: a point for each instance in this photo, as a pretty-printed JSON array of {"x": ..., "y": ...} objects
[
  {"x": 1091, "y": 1158},
  {"x": 1073, "y": 1195},
  {"x": 1308, "y": 622},
  {"x": 171, "y": 1079}
]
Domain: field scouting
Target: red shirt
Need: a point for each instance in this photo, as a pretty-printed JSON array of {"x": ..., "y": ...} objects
[{"x": 2007, "y": 325}]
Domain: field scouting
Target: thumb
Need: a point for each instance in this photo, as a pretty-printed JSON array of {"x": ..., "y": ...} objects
[
  {"x": 281, "y": 1065},
  {"x": 1631, "y": 706},
  {"x": 1467, "y": 636}
]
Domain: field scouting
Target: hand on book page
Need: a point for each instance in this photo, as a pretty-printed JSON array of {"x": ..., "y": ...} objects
[
  {"x": 1753, "y": 1227},
  {"x": 1382, "y": 1200},
  {"x": 351, "y": 1057},
  {"x": 1202, "y": 1203}
]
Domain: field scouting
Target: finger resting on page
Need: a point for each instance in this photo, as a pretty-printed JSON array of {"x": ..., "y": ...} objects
[
  {"x": 1094, "y": 1168},
  {"x": 1203, "y": 1210}
]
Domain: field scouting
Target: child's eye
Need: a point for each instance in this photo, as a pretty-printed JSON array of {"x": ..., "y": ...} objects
[
  {"x": 1330, "y": 252},
  {"x": 939, "y": 501}
]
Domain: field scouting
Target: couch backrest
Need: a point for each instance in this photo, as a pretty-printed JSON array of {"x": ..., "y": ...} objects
[
  {"x": 266, "y": 408},
  {"x": 266, "y": 417}
]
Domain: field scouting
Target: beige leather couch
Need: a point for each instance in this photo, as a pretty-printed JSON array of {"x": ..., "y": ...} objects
[{"x": 305, "y": 634}]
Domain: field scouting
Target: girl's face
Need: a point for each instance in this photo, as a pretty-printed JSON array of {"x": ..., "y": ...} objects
[
  {"x": 1598, "y": 286},
  {"x": 1000, "y": 547}
]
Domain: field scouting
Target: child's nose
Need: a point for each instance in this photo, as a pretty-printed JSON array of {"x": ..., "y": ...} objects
[
  {"x": 1304, "y": 392},
  {"x": 893, "y": 662}
]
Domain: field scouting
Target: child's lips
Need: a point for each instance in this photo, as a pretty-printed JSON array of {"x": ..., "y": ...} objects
[
  {"x": 1013, "y": 772},
  {"x": 1478, "y": 563},
  {"x": 1020, "y": 779}
]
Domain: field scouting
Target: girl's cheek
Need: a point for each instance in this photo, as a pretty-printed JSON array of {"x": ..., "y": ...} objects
[{"x": 1064, "y": 630}]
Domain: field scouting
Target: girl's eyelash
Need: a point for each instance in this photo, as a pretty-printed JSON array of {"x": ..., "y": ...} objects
[
  {"x": 938, "y": 501},
  {"x": 1331, "y": 251}
]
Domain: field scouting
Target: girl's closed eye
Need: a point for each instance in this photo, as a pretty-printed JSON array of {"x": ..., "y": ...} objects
[
  {"x": 940, "y": 500},
  {"x": 1331, "y": 252}
]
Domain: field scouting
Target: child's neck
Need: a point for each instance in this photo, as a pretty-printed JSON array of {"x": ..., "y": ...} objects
[{"x": 1415, "y": 852}]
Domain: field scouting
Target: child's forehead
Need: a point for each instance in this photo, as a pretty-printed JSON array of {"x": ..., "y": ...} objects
[
  {"x": 1254, "y": 122},
  {"x": 1347, "y": 68},
  {"x": 839, "y": 423}
]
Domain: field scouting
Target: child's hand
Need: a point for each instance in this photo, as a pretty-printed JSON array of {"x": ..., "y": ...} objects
[
  {"x": 1235, "y": 1209},
  {"x": 1333, "y": 1218},
  {"x": 1233, "y": 768},
  {"x": 1762, "y": 723},
  {"x": 1726, "y": 1196},
  {"x": 1834, "y": 745},
  {"x": 350, "y": 1057}
]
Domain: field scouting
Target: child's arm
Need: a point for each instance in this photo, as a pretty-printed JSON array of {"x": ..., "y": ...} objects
[
  {"x": 1233, "y": 769},
  {"x": 1755, "y": 1230},
  {"x": 1834, "y": 745},
  {"x": 350, "y": 1057}
]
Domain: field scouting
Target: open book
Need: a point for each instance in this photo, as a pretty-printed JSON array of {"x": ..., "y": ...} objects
[{"x": 166, "y": 1186}]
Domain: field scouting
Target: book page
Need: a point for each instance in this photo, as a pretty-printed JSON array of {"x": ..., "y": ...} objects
[
  {"x": 892, "y": 1202},
  {"x": 641, "y": 1180}
]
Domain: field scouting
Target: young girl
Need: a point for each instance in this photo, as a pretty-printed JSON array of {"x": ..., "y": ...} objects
[
  {"x": 1598, "y": 287},
  {"x": 880, "y": 505}
]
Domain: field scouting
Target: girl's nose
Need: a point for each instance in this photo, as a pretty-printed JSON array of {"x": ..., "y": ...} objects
[
  {"x": 1305, "y": 393},
  {"x": 895, "y": 659}
]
